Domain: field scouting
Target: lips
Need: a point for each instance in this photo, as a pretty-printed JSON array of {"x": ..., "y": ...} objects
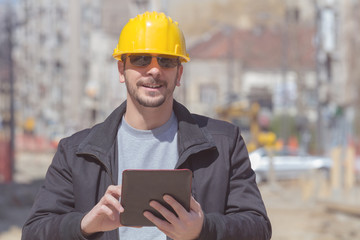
[{"x": 152, "y": 86}]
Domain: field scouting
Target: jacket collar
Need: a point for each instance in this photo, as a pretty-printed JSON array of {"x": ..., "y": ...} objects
[
  {"x": 102, "y": 137},
  {"x": 190, "y": 132}
]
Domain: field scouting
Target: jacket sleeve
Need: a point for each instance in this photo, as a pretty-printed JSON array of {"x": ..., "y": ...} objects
[
  {"x": 52, "y": 215},
  {"x": 245, "y": 214}
]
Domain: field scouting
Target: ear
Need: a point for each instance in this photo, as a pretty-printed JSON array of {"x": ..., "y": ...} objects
[
  {"x": 180, "y": 72},
  {"x": 121, "y": 71}
]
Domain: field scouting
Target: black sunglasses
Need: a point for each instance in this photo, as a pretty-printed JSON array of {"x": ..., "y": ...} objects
[{"x": 164, "y": 61}]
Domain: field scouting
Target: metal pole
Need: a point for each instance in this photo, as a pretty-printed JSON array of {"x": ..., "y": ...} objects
[
  {"x": 230, "y": 33},
  {"x": 284, "y": 69},
  {"x": 9, "y": 29},
  {"x": 318, "y": 40}
]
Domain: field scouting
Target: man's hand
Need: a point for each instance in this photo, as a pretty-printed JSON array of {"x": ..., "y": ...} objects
[
  {"x": 105, "y": 215},
  {"x": 186, "y": 226}
]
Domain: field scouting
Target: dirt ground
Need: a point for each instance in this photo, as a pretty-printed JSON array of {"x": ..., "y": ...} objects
[
  {"x": 295, "y": 214},
  {"x": 294, "y": 217}
]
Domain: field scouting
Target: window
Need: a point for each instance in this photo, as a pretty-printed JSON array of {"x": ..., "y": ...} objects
[{"x": 208, "y": 93}]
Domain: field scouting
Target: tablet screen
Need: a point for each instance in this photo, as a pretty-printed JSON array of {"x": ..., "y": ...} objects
[{"x": 139, "y": 187}]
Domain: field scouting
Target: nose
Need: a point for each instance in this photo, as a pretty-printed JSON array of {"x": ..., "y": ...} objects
[{"x": 153, "y": 68}]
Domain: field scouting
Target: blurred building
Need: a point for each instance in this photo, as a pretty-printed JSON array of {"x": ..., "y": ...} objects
[
  {"x": 51, "y": 54},
  {"x": 66, "y": 78},
  {"x": 4, "y": 75},
  {"x": 338, "y": 48},
  {"x": 6, "y": 95},
  {"x": 267, "y": 61},
  {"x": 307, "y": 66},
  {"x": 248, "y": 65},
  {"x": 337, "y": 71}
]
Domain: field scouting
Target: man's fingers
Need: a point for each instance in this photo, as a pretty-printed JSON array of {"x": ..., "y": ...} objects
[
  {"x": 114, "y": 191},
  {"x": 108, "y": 211},
  {"x": 167, "y": 214},
  {"x": 105, "y": 215},
  {"x": 112, "y": 201},
  {"x": 194, "y": 205},
  {"x": 178, "y": 208},
  {"x": 187, "y": 225},
  {"x": 111, "y": 197},
  {"x": 161, "y": 224}
]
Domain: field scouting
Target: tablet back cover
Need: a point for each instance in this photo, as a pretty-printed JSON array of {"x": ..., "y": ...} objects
[{"x": 139, "y": 187}]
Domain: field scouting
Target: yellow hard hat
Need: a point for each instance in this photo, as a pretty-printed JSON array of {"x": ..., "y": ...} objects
[{"x": 152, "y": 33}]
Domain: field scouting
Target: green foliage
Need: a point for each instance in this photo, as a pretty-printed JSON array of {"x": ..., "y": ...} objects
[{"x": 284, "y": 126}]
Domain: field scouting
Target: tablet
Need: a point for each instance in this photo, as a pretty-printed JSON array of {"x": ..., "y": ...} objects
[{"x": 139, "y": 187}]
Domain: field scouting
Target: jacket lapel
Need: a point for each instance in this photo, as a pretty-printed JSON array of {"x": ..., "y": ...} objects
[
  {"x": 101, "y": 141},
  {"x": 192, "y": 138}
]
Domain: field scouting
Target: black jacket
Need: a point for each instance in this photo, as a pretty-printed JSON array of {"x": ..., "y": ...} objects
[{"x": 85, "y": 164}]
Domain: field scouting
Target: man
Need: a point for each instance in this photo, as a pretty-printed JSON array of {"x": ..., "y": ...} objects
[{"x": 80, "y": 197}]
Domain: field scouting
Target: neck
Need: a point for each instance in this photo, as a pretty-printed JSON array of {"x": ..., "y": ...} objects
[{"x": 147, "y": 118}]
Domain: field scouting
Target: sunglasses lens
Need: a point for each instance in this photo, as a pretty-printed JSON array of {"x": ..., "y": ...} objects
[
  {"x": 145, "y": 60},
  {"x": 168, "y": 62},
  {"x": 140, "y": 60}
]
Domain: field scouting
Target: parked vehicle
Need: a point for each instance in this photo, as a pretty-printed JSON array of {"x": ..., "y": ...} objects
[{"x": 287, "y": 164}]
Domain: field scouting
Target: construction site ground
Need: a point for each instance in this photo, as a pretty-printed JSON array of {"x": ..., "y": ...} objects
[{"x": 299, "y": 210}]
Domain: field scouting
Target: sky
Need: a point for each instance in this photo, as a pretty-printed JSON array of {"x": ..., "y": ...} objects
[{"x": 7, "y": 1}]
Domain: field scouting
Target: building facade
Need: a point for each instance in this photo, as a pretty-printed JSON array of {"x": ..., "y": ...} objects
[{"x": 66, "y": 78}]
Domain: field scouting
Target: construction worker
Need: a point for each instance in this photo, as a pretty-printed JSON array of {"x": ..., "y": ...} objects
[{"x": 150, "y": 130}]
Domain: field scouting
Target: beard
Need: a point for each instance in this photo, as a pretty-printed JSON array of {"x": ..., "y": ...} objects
[{"x": 151, "y": 98}]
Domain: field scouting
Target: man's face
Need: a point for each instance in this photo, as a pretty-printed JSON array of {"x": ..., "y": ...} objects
[{"x": 150, "y": 85}]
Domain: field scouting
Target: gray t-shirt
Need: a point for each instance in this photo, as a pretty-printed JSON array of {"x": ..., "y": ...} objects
[{"x": 146, "y": 149}]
